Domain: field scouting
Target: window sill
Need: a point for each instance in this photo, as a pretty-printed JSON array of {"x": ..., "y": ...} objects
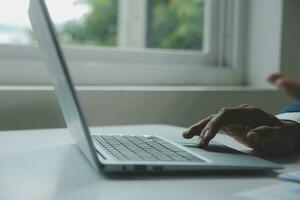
[{"x": 194, "y": 88}]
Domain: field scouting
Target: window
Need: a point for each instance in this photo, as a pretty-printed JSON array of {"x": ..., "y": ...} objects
[
  {"x": 175, "y": 24},
  {"x": 132, "y": 42},
  {"x": 158, "y": 23}
]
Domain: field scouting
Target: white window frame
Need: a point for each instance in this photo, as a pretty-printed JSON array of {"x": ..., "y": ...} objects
[{"x": 22, "y": 65}]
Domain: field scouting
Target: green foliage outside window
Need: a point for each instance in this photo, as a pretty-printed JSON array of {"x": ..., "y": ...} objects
[
  {"x": 172, "y": 24},
  {"x": 98, "y": 27},
  {"x": 176, "y": 24}
]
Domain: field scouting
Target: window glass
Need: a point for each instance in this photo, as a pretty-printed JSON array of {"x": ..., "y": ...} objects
[
  {"x": 175, "y": 24},
  {"x": 168, "y": 24},
  {"x": 97, "y": 26}
]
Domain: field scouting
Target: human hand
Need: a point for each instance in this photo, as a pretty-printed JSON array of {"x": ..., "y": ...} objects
[
  {"x": 251, "y": 126},
  {"x": 284, "y": 83}
]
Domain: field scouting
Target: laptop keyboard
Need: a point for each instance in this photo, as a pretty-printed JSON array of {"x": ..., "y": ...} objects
[{"x": 142, "y": 148}]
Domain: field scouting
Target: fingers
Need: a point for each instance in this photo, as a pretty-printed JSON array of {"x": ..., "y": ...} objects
[
  {"x": 213, "y": 126},
  {"x": 291, "y": 86},
  {"x": 236, "y": 130},
  {"x": 196, "y": 128},
  {"x": 285, "y": 83},
  {"x": 274, "y": 77}
]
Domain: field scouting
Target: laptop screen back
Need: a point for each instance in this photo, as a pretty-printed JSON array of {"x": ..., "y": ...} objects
[{"x": 52, "y": 53}]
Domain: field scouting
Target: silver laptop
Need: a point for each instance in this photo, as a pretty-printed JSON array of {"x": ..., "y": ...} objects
[{"x": 123, "y": 153}]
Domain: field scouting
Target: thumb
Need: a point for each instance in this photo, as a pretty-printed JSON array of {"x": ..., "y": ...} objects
[{"x": 262, "y": 135}]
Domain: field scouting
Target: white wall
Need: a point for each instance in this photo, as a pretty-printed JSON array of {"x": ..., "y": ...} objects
[
  {"x": 290, "y": 54},
  {"x": 273, "y": 43},
  {"x": 264, "y": 40},
  {"x": 28, "y": 108}
]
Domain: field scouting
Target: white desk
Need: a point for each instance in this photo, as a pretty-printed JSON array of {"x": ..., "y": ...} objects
[{"x": 45, "y": 164}]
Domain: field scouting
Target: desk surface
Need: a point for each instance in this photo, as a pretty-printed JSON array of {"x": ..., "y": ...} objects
[{"x": 46, "y": 164}]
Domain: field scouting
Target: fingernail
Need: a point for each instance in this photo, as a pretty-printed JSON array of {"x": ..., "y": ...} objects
[
  {"x": 201, "y": 143},
  {"x": 185, "y": 133},
  {"x": 206, "y": 133},
  {"x": 202, "y": 138}
]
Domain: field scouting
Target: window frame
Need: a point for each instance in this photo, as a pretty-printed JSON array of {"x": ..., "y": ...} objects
[{"x": 23, "y": 65}]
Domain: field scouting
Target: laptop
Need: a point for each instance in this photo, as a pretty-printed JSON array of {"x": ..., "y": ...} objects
[{"x": 123, "y": 153}]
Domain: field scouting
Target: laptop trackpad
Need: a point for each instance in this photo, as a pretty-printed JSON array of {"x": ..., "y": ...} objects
[{"x": 212, "y": 147}]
